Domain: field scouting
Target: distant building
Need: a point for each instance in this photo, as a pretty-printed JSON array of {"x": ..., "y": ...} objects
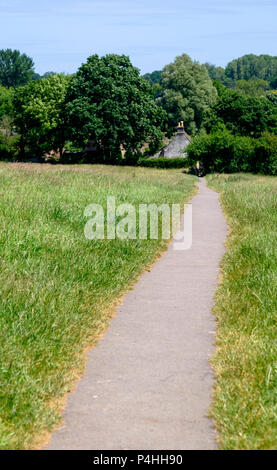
[{"x": 176, "y": 147}]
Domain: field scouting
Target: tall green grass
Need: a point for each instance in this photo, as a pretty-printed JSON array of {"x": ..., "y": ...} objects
[
  {"x": 245, "y": 399},
  {"x": 58, "y": 289}
]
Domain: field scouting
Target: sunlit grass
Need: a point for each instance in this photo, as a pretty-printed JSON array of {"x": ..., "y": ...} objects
[
  {"x": 58, "y": 289},
  {"x": 245, "y": 401}
]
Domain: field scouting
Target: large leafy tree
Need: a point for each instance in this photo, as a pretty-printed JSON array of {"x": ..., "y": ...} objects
[
  {"x": 109, "y": 102},
  {"x": 39, "y": 116},
  {"x": 15, "y": 68},
  {"x": 187, "y": 93}
]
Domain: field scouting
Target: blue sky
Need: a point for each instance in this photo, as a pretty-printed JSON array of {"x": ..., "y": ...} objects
[{"x": 60, "y": 34}]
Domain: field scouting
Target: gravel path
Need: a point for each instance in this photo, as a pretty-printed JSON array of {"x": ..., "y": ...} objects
[{"x": 148, "y": 382}]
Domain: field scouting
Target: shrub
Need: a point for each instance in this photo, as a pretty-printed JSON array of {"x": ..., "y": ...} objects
[
  {"x": 214, "y": 150},
  {"x": 223, "y": 152},
  {"x": 266, "y": 155},
  {"x": 163, "y": 162},
  {"x": 8, "y": 147},
  {"x": 243, "y": 154}
]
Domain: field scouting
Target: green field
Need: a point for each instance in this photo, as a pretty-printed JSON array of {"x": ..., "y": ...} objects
[
  {"x": 58, "y": 290},
  {"x": 245, "y": 363}
]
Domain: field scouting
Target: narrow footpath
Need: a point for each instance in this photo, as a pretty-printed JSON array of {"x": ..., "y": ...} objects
[{"x": 148, "y": 382}]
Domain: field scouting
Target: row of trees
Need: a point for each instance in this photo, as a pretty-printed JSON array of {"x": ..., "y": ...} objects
[
  {"x": 252, "y": 67},
  {"x": 17, "y": 69},
  {"x": 250, "y": 75},
  {"x": 107, "y": 101},
  {"x": 239, "y": 133}
]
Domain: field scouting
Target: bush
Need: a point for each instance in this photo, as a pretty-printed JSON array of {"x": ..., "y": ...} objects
[
  {"x": 8, "y": 147},
  {"x": 243, "y": 154},
  {"x": 223, "y": 152},
  {"x": 266, "y": 155},
  {"x": 163, "y": 162},
  {"x": 214, "y": 150}
]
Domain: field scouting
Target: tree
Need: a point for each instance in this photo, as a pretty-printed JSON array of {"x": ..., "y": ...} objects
[
  {"x": 187, "y": 92},
  {"x": 242, "y": 115},
  {"x": 253, "y": 67},
  {"x": 109, "y": 102},
  {"x": 154, "y": 77},
  {"x": 15, "y": 69},
  {"x": 217, "y": 73},
  {"x": 39, "y": 116}
]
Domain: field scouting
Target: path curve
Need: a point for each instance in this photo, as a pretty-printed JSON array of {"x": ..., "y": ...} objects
[{"x": 148, "y": 382}]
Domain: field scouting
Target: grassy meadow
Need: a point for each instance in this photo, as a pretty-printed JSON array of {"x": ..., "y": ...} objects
[
  {"x": 59, "y": 290},
  {"x": 245, "y": 400}
]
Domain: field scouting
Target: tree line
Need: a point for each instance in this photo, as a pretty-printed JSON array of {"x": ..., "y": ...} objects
[
  {"x": 108, "y": 102},
  {"x": 238, "y": 131},
  {"x": 260, "y": 71}
]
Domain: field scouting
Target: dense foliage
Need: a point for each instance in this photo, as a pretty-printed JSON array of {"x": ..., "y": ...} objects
[
  {"x": 254, "y": 88},
  {"x": 239, "y": 134},
  {"x": 8, "y": 144},
  {"x": 39, "y": 117},
  {"x": 110, "y": 103},
  {"x": 223, "y": 152},
  {"x": 6, "y": 105},
  {"x": 218, "y": 74},
  {"x": 15, "y": 69},
  {"x": 154, "y": 78},
  {"x": 110, "y": 107},
  {"x": 247, "y": 67},
  {"x": 243, "y": 115},
  {"x": 187, "y": 93}
]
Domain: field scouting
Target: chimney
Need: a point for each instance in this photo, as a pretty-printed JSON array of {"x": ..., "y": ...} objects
[{"x": 180, "y": 127}]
